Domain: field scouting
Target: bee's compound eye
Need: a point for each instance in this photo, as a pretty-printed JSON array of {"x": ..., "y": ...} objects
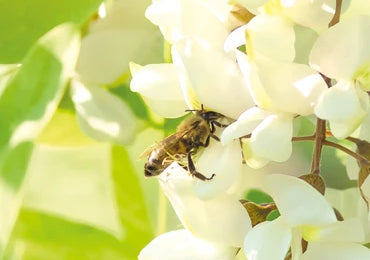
[
  {"x": 148, "y": 173},
  {"x": 150, "y": 170}
]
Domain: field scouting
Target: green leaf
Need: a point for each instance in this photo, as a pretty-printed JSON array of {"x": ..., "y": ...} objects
[
  {"x": 27, "y": 103},
  {"x": 74, "y": 182},
  {"x": 131, "y": 204},
  {"x": 22, "y": 22},
  {"x": 258, "y": 196},
  {"x": 40, "y": 236}
]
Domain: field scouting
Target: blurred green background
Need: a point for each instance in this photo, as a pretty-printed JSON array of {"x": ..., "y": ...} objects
[{"x": 68, "y": 190}]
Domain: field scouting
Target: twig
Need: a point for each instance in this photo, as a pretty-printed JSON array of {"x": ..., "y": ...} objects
[
  {"x": 357, "y": 156},
  {"x": 336, "y": 16},
  {"x": 319, "y": 139},
  {"x": 303, "y": 138}
]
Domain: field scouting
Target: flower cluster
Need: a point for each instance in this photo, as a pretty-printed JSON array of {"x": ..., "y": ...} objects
[{"x": 264, "y": 65}]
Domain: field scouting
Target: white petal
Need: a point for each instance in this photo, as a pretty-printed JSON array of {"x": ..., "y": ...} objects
[
  {"x": 251, "y": 72},
  {"x": 351, "y": 48},
  {"x": 223, "y": 161},
  {"x": 104, "y": 55},
  {"x": 345, "y": 106},
  {"x": 345, "y": 201},
  {"x": 336, "y": 251},
  {"x": 350, "y": 230},
  {"x": 268, "y": 241},
  {"x": 244, "y": 125},
  {"x": 167, "y": 15},
  {"x": 298, "y": 202},
  {"x": 159, "y": 84},
  {"x": 251, "y": 159},
  {"x": 292, "y": 88},
  {"x": 314, "y": 14},
  {"x": 271, "y": 139},
  {"x": 187, "y": 18},
  {"x": 182, "y": 245},
  {"x": 235, "y": 39},
  {"x": 102, "y": 115},
  {"x": 264, "y": 29},
  {"x": 221, "y": 220},
  {"x": 252, "y": 5},
  {"x": 215, "y": 78},
  {"x": 350, "y": 204}
]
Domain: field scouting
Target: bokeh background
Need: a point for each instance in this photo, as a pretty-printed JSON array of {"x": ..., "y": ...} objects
[{"x": 71, "y": 132}]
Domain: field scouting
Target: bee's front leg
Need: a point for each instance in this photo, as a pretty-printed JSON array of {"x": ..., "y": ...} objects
[{"x": 194, "y": 172}]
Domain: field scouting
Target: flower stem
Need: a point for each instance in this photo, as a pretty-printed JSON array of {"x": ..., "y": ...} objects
[
  {"x": 319, "y": 140},
  {"x": 336, "y": 16},
  {"x": 357, "y": 156}
]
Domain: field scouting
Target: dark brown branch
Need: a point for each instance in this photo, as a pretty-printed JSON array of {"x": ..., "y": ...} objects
[
  {"x": 357, "y": 156},
  {"x": 303, "y": 138},
  {"x": 336, "y": 16},
  {"x": 320, "y": 136}
]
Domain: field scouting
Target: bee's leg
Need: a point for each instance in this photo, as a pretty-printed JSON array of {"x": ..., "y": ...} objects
[
  {"x": 215, "y": 137},
  {"x": 213, "y": 129},
  {"x": 206, "y": 143},
  {"x": 218, "y": 124},
  {"x": 193, "y": 171}
]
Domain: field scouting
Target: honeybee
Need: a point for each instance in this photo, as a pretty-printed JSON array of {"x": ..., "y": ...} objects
[{"x": 191, "y": 134}]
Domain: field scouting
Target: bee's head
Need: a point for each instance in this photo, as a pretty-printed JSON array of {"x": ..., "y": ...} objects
[
  {"x": 208, "y": 116},
  {"x": 150, "y": 170}
]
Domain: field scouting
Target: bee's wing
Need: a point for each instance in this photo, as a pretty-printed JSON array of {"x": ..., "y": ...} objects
[
  {"x": 171, "y": 139},
  {"x": 148, "y": 151}
]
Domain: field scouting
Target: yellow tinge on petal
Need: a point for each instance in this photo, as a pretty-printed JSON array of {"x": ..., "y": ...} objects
[
  {"x": 362, "y": 76},
  {"x": 272, "y": 7},
  {"x": 310, "y": 233}
]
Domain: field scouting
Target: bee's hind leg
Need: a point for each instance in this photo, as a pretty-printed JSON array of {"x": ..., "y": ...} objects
[{"x": 194, "y": 172}]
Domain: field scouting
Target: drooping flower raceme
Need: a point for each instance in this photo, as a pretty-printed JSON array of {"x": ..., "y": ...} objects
[
  {"x": 201, "y": 74},
  {"x": 261, "y": 76}
]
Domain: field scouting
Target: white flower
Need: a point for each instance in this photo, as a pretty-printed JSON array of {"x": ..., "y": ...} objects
[
  {"x": 351, "y": 205},
  {"x": 221, "y": 219},
  {"x": 179, "y": 19},
  {"x": 304, "y": 214},
  {"x": 212, "y": 78},
  {"x": 281, "y": 90},
  {"x": 182, "y": 245},
  {"x": 342, "y": 53},
  {"x": 315, "y": 14},
  {"x": 199, "y": 75},
  {"x": 159, "y": 85}
]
